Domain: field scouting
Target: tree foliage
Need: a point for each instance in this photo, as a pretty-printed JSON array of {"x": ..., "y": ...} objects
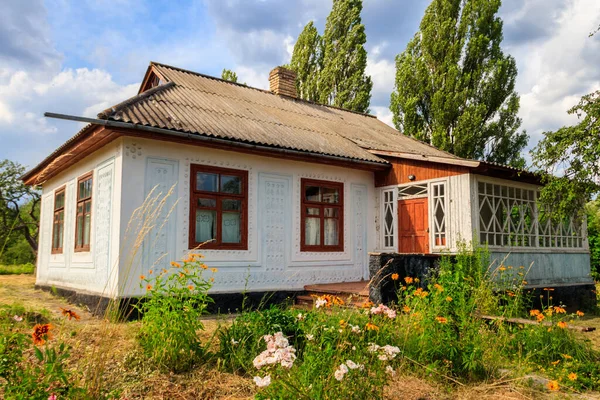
[
  {"x": 331, "y": 68},
  {"x": 455, "y": 87},
  {"x": 19, "y": 209},
  {"x": 229, "y": 75},
  {"x": 570, "y": 159},
  {"x": 593, "y": 224}
]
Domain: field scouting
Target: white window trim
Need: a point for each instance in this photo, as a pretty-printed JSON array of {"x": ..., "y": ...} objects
[
  {"x": 432, "y": 247},
  {"x": 394, "y": 190}
]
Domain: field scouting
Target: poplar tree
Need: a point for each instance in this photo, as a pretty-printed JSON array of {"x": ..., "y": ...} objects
[
  {"x": 455, "y": 88},
  {"x": 331, "y": 68},
  {"x": 229, "y": 75}
]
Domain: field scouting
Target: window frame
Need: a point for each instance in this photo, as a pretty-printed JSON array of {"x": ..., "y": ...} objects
[
  {"x": 58, "y": 250},
  {"x": 321, "y": 205},
  {"x": 195, "y": 194},
  {"x": 84, "y": 177}
]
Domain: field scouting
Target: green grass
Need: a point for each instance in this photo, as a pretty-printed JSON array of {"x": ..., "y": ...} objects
[{"x": 17, "y": 269}]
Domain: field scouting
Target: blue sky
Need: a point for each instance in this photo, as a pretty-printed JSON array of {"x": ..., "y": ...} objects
[{"x": 80, "y": 57}]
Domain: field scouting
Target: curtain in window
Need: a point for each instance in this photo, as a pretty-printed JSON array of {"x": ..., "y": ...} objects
[
  {"x": 312, "y": 231},
  {"x": 205, "y": 225},
  {"x": 331, "y": 232},
  {"x": 231, "y": 228}
]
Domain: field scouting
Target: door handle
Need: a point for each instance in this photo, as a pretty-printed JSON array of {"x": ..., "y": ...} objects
[{"x": 427, "y": 230}]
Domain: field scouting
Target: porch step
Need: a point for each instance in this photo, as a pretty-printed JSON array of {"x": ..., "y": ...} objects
[{"x": 352, "y": 293}]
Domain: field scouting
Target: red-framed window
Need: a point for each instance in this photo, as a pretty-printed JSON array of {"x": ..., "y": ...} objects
[
  {"x": 322, "y": 213},
  {"x": 58, "y": 224},
  {"x": 83, "y": 217},
  {"x": 218, "y": 208}
]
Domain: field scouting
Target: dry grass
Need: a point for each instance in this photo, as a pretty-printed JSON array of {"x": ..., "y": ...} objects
[{"x": 112, "y": 346}]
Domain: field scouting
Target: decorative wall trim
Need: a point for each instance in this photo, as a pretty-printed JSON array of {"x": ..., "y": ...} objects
[
  {"x": 103, "y": 215},
  {"x": 275, "y": 206},
  {"x": 133, "y": 150}
]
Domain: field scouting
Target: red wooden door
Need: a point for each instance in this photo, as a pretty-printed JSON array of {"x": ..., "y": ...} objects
[{"x": 413, "y": 226}]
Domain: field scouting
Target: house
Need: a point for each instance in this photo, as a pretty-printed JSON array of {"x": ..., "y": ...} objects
[{"x": 288, "y": 192}]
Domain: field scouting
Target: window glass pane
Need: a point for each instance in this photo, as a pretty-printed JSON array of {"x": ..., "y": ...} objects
[
  {"x": 60, "y": 201},
  {"x": 312, "y": 193},
  {"x": 207, "y": 203},
  {"x": 331, "y": 212},
  {"x": 312, "y": 231},
  {"x": 79, "y": 236},
  {"x": 88, "y": 207},
  {"x": 331, "y": 232},
  {"x": 206, "y": 225},
  {"x": 231, "y": 232},
  {"x": 206, "y": 182},
  {"x": 55, "y": 237},
  {"x": 231, "y": 205},
  {"x": 85, "y": 189},
  {"x": 231, "y": 184},
  {"x": 330, "y": 195},
  {"x": 86, "y": 230},
  {"x": 312, "y": 211}
]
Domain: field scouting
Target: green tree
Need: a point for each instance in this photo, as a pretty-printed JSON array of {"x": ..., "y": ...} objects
[
  {"x": 455, "y": 87},
  {"x": 570, "y": 159},
  {"x": 19, "y": 208},
  {"x": 229, "y": 75},
  {"x": 306, "y": 61},
  {"x": 593, "y": 224},
  {"x": 331, "y": 69}
]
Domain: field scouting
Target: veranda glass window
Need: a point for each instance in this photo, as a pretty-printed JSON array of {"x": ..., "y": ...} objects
[
  {"x": 218, "y": 209},
  {"x": 58, "y": 225},
  {"x": 84, "y": 213},
  {"x": 322, "y": 216}
]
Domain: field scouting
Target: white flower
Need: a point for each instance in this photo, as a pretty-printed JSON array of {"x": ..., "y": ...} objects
[
  {"x": 343, "y": 368},
  {"x": 353, "y": 347},
  {"x": 234, "y": 342},
  {"x": 300, "y": 317},
  {"x": 339, "y": 375},
  {"x": 390, "y": 370},
  {"x": 310, "y": 337},
  {"x": 355, "y": 328},
  {"x": 278, "y": 351},
  {"x": 262, "y": 382},
  {"x": 320, "y": 303},
  {"x": 351, "y": 364},
  {"x": 373, "y": 347},
  {"x": 18, "y": 318}
]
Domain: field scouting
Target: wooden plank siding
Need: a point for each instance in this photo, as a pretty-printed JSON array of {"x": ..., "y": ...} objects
[{"x": 422, "y": 170}]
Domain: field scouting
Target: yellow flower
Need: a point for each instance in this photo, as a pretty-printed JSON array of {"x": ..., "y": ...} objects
[
  {"x": 562, "y": 324},
  {"x": 502, "y": 268},
  {"x": 548, "y": 312},
  {"x": 395, "y": 277},
  {"x": 579, "y": 313},
  {"x": 559, "y": 310},
  {"x": 416, "y": 280},
  {"x": 214, "y": 270},
  {"x": 441, "y": 320},
  {"x": 175, "y": 264},
  {"x": 534, "y": 313},
  {"x": 572, "y": 376},
  {"x": 408, "y": 280},
  {"x": 343, "y": 323},
  {"x": 553, "y": 386},
  {"x": 142, "y": 277},
  {"x": 448, "y": 299},
  {"x": 371, "y": 327},
  {"x": 524, "y": 282}
]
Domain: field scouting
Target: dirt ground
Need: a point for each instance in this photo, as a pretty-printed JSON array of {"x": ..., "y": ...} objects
[{"x": 104, "y": 353}]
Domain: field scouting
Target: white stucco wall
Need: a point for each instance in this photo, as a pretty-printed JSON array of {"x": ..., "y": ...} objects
[
  {"x": 92, "y": 271},
  {"x": 273, "y": 260}
]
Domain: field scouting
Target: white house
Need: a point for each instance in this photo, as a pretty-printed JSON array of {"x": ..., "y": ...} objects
[{"x": 291, "y": 192}]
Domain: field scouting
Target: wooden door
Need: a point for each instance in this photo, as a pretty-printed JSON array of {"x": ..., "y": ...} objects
[{"x": 413, "y": 226}]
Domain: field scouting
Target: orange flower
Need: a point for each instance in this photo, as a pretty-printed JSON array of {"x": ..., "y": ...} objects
[
  {"x": 416, "y": 280},
  {"x": 448, "y": 299},
  {"x": 191, "y": 287},
  {"x": 142, "y": 277},
  {"x": 441, "y": 320},
  {"x": 421, "y": 293},
  {"x": 553, "y": 386},
  {"x": 438, "y": 287},
  {"x": 214, "y": 270},
  {"x": 568, "y": 357},
  {"x": 548, "y": 289},
  {"x": 579, "y": 313},
  {"x": 408, "y": 280},
  {"x": 562, "y": 324},
  {"x": 181, "y": 274},
  {"x": 175, "y": 264},
  {"x": 540, "y": 317},
  {"x": 148, "y": 287},
  {"x": 502, "y": 268},
  {"x": 164, "y": 271},
  {"x": 555, "y": 363},
  {"x": 548, "y": 311},
  {"x": 371, "y": 327},
  {"x": 150, "y": 272},
  {"x": 524, "y": 282},
  {"x": 212, "y": 279},
  {"x": 559, "y": 310},
  {"x": 572, "y": 376},
  {"x": 41, "y": 333},
  {"x": 203, "y": 266},
  {"x": 406, "y": 309},
  {"x": 395, "y": 277},
  {"x": 69, "y": 313},
  {"x": 510, "y": 294},
  {"x": 343, "y": 323},
  {"x": 534, "y": 313}
]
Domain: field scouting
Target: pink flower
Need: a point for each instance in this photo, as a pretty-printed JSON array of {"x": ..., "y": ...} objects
[
  {"x": 262, "y": 382},
  {"x": 18, "y": 318},
  {"x": 52, "y": 397}
]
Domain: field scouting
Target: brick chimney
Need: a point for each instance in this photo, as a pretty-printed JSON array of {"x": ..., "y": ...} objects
[{"x": 282, "y": 81}]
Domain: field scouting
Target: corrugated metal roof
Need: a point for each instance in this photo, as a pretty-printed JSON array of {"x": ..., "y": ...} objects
[{"x": 203, "y": 105}]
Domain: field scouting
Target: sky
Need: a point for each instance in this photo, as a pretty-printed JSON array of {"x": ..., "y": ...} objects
[{"x": 80, "y": 57}]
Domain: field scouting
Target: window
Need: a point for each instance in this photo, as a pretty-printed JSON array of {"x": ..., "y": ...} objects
[
  {"x": 322, "y": 216},
  {"x": 84, "y": 213},
  {"x": 388, "y": 219},
  {"x": 439, "y": 214},
  {"x": 58, "y": 224},
  {"x": 218, "y": 208},
  {"x": 510, "y": 216}
]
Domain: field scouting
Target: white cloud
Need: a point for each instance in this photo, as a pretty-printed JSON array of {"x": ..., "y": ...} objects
[
  {"x": 383, "y": 73},
  {"x": 383, "y": 114}
]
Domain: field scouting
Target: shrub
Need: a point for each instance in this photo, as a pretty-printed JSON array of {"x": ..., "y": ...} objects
[{"x": 171, "y": 312}]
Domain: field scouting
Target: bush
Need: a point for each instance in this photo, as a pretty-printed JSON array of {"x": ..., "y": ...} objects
[
  {"x": 17, "y": 269},
  {"x": 171, "y": 312}
]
